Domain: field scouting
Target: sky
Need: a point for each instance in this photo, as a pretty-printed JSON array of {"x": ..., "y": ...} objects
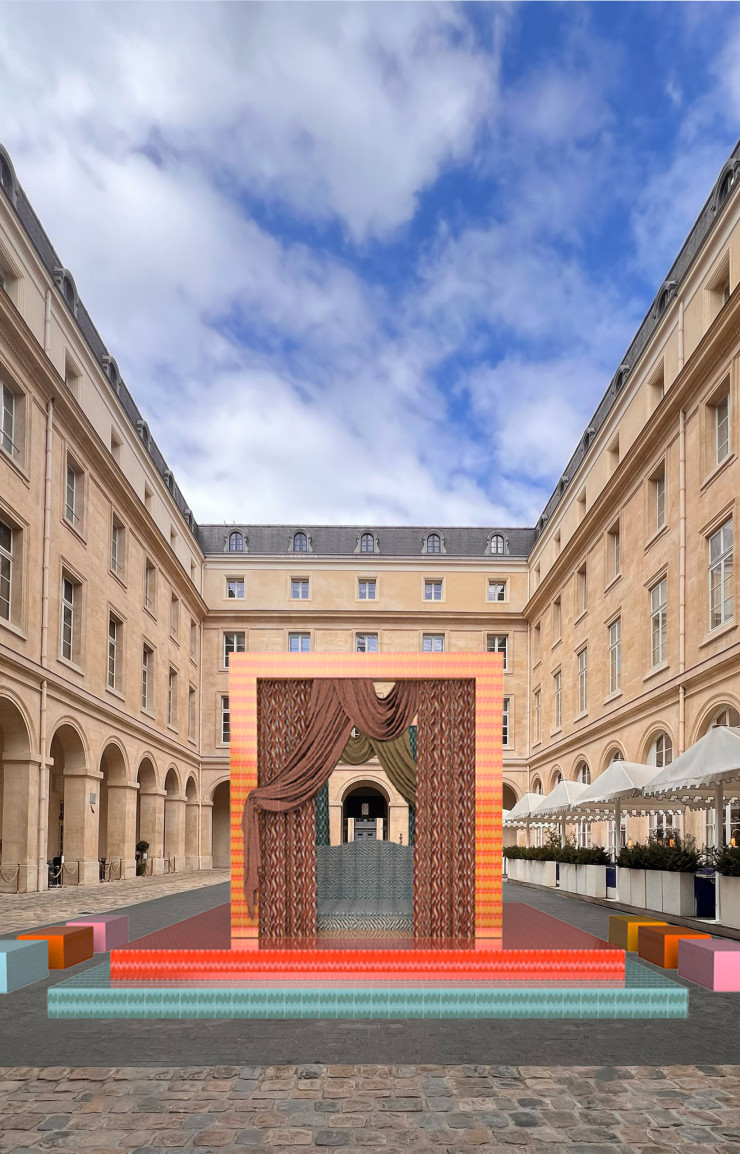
[{"x": 368, "y": 263}]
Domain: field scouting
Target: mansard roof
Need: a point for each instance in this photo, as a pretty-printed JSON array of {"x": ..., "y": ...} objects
[{"x": 392, "y": 540}]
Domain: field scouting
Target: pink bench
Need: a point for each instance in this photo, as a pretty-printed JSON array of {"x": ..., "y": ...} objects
[
  {"x": 713, "y": 963},
  {"x": 109, "y": 930}
]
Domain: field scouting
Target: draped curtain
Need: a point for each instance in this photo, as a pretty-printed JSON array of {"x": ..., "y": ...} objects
[
  {"x": 395, "y": 758},
  {"x": 444, "y": 849},
  {"x": 305, "y": 760}
]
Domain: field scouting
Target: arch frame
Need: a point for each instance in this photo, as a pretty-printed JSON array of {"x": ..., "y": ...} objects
[
  {"x": 723, "y": 700},
  {"x": 13, "y": 699}
]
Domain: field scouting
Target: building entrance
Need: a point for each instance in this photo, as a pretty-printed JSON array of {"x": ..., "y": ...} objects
[{"x": 365, "y": 815}]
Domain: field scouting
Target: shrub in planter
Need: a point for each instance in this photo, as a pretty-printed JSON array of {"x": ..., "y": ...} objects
[
  {"x": 725, "y": 860},
  {"x": 681, "y": 857}
]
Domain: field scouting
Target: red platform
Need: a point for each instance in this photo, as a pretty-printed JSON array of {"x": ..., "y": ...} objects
[{"x": 535, "y": 947}]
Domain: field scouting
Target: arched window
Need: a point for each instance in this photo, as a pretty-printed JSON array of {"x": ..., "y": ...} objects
[
  {"x": 300, "y": 543},
  {"x": 6, "y": 177},
  {"x": 537, "y": 786},
  {"x": 661, "y": 750},
  {"x": 724, "y": 188},
  {"x": 497, "y": 543},
  {"x": 557, "y": 777},
  {"x": 236, "y": 542},
  {"x": 367, "y": 543},
  {"x": 727, "y": 715},
  {"x": 434, "y": 545},
  {"x": 616, "y": 755},
  {"x": 584, "y": 773}
]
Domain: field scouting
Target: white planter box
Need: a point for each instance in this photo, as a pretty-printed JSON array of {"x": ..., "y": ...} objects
[
  {"x": 654, "y": 890},
  {"x": 637, "y": 889},
  {"x": 547, "y": 873},
  {"x": 678, "y": 894},
  {"x": 624, "y": 885},
  {"x": 728, "y": 898},
  {"x": 568, "y": 878},
  {"x": 593, "y": 884},
  {"x": 514, "y": 868}
]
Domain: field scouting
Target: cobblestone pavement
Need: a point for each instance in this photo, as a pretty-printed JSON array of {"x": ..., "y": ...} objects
[
  {"x": 27, "y": 911},
  {"x": 454, "y": 1109}
]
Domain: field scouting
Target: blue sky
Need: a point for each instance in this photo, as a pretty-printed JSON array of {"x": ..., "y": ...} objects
[{"x": 368, "y": 262}]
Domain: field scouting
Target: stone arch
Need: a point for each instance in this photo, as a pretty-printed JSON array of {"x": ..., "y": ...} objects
[
  {"x": 537, "y": 786},
  {"x": 192, "y": 823},
  {"x": 72, "y": 822},
  {"x": 149, "y": 813},
  {"x": 614, "y": 752},
  {"x": 650, "y": 738},
  {"x": 369, "y": 779},
  {"x": 112, "y": 839},
  {"x": 221, "y": 825},
  {"x": 18, "y": 789},
  {"x": 509, "y": 795},
  {"x": 556, "y": 776},
  {"x": 725, "y": 701},
  {"x": 174, "y": 819},
  {"x": 582, "y": 770},
  {"x": 8, "y": 179}
]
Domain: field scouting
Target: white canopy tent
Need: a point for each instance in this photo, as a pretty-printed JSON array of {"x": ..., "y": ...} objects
[
  {"x": 620, "y": 787},
  {"x": 556, "y": 805},
  {"x": 708, "y": 771},
  {"x": 519, "y": 815}
]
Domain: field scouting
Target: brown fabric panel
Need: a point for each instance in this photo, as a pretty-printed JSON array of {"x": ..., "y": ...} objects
[
  {"x": 444, "y": 849},
  {"x": 288, "y": 851},
  {"x": 335, "y": 706},
  {"x": 395, "y": 757}
]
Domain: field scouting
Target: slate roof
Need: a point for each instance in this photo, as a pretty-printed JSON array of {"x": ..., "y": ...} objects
[{"x": 341, "y": 540}]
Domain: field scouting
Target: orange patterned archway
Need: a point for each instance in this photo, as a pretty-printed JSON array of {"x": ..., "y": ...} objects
[{"x": 486, "y": 670}]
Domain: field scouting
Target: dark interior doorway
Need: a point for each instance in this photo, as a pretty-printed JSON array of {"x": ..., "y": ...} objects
[{"x": 365, "y": 805}]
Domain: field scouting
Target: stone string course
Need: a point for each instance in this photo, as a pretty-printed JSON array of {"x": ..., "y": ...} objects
[{"x": 446, "y": 1109}]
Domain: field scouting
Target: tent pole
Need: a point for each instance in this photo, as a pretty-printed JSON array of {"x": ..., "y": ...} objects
[
  {"x": 719, "y": 814},
  {"x": 618, "y": 822}
]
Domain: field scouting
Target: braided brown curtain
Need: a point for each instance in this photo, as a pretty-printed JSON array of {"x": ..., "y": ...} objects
[
  {"x": 304, "y": 763},
  {"x": 444, "y": 848},
  {"x": 395, "y": 757},
  {"x": 287, "y": 840}
]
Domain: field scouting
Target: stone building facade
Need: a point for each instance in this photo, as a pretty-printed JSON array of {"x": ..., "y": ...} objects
[{"x": 118, "y": 613}]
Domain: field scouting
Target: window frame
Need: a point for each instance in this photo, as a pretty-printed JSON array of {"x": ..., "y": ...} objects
[
  {"x": 557, "y": 678},
  {"x": 150, "y": 587},
  {"x": 431, "y": 586},
  {"x": 172, "y": 696},
  {"x": 367, "y": 637},
  {"x": 224, "y": 724},
  {"x": 367, "y": 581},
  {"x": 658, "y": 622},
  {"x": 365, "y": 539},
  {"x": 537, "y": 716},
  {"x": 720, "y": 563},
  {"x": 302, "y": 548},
  {"x": 432, "y": 638},
  {"x": 115, "y": 651},
  {"x": 7, "y": 567},
  {"x": 493, "y": 646},
  {"x": 73, "y": 470},
  {"x": 226, "y": 651},
  {"x": 506, "y": 722},
  {"x": 13, "y": 442},
  {"x": 117, "y": 547},
  {"x": 147, "y": 677},
  {"x": 192, "y": 712},
  {"x": 582, "y": 658},
  {"x": 615, "y": 656},
  {"x": 300, "y": 583},
  {"x": 236, "y": 582},
  {"x": 438, "y": 544},
  {"x": 300, "y": 637},
  {"x": 492, "y": 583}
]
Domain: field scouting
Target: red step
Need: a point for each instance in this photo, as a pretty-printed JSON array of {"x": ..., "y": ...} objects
[{"x": 345, "y": 965}]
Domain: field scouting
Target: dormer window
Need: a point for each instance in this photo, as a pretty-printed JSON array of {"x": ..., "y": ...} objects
[
  {"x": 497, "y": 543},
  {"x": 300, "y": 543},
  {"x": 236, "y": 542},
  {"x": 7, "y": 177},
  {"x": 434, "y": 545},
  {"x": 367, "y": 543},
  {"x": 143, "y": 430},
  {"x": 66, "y": 286}
]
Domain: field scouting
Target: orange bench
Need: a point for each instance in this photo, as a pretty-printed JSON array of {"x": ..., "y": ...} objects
[
  {"x": 659, "y": 944},
  {"x": 623, "y": 929},
  {"x": 67, "y": 945}
]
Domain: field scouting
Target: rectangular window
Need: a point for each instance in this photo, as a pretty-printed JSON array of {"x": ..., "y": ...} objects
[
  {"x": 235, "y": 587},
  {"x": 721, "y": 605},
  {"x": 613, "y": 558},
  {"x": 70, "y": 614},
  {"x": 174, "y": 616},
  {"x": 536, "y": 644},
  {"x": 432, "y": 590},
  {"x": 172, "y": 698},
  {"x": 191, "y": 713},
  {"x": 225, "y": 720},
  {"x": 433, "y": 643},
  {"x": 6, "y": 570},
  {"x": 722, "y": 428},
  {"x": 117, "y": 544},
  {"x": 150, "y": 586},
  {"x": 114, "y": 652},
  {"x": 299, "y": 642},
  {"x": 147, "y": 671},
  {"x": 537, "y": 715},
  {"x": 366, "y": 590},
  {"x": 193, "y": 639},
  {"x": 73, "y": 495},
  {"x": 366, "y": 643},
  {"x": 583, "y": 681},
  {"x": 499, "y": 643},
  {"x": 234, "y": 642},
  {"x": 581, "y": 591},
  {"x": 657, "y": 487},
  {"x": 506, "y": 715},
  {"x": 557, "y": 619},
  {"x": 496, "y": 590},
  {"x": 299, "y": 588},
  {"x": 658, "y": 622},
  {"x": 615, "y": 656},
  {"x": 558, "y": 698},
  {"x": 7, "y": 425}
]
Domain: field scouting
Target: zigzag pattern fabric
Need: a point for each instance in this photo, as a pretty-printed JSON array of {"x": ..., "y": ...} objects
[
  {"x": 287, "y": 840},
  {"x": 444, "y": 893},
  {"x": 323, "y": 836},
  {"x": 365, "y": 925},
  {"x": 365, "y": 888},
  {"x": 413, "y": 737}
]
